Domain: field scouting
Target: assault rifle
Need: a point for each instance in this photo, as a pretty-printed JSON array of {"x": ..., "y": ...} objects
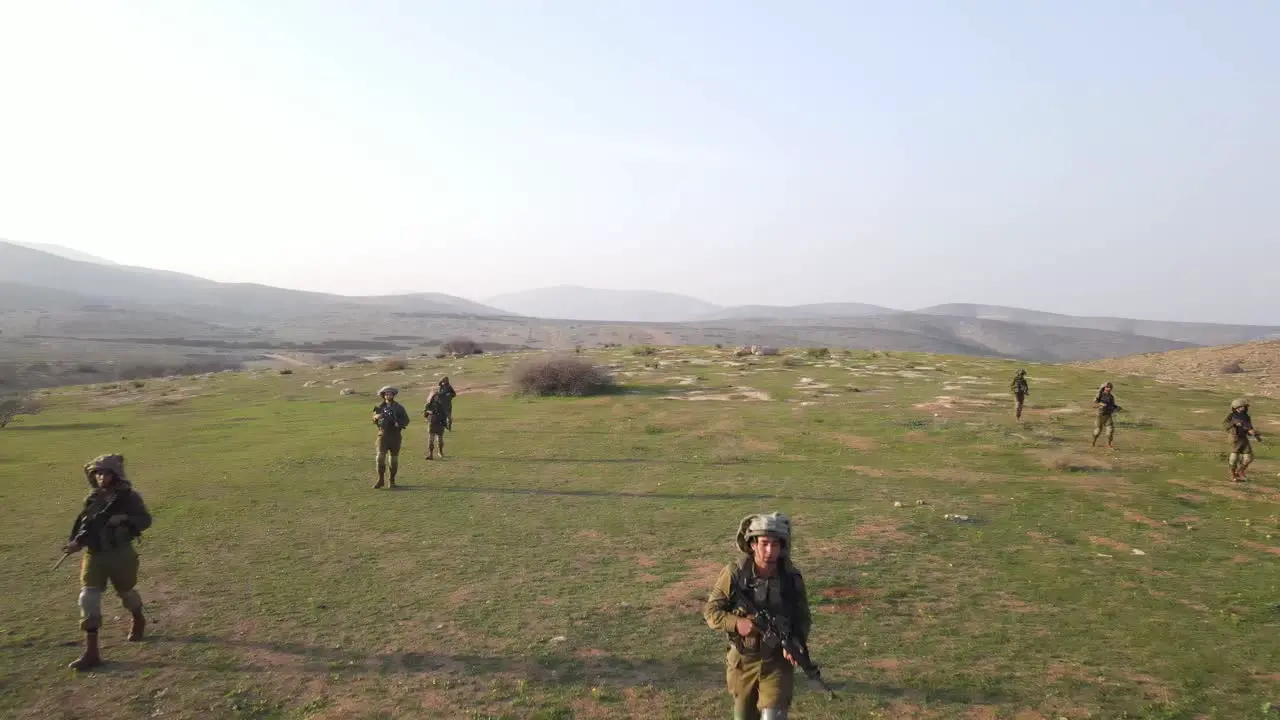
[
  {"x": 89, "y": 522},
  {"x": 771, "y": 630},
  {"x": 386, "y": 416}
]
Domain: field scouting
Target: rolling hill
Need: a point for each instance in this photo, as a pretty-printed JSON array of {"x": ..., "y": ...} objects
[{"x": 573, "y": 302}]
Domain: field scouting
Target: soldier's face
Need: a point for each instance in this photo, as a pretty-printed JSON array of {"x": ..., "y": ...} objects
[
  {"x": 103, "y": 478},
  {"x": 767, "y": 549}
]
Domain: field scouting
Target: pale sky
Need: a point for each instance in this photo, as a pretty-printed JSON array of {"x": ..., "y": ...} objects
[{"x": 1114, "y": 157}]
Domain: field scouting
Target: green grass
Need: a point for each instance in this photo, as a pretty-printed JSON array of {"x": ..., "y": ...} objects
[{"x": 554, "y": 565}]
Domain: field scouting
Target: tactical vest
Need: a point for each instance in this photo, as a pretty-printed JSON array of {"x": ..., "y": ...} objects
[{"x": 741, "y": 577}]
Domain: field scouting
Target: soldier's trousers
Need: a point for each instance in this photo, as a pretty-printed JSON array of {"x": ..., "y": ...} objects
[
  {"x": 388, "y": 446},
  {"x": 1241, "y": 454},
  {"x": 758, "y": 683},
  {"x": 1018, "y": 398},
  {"x": 1104, "y": 422},
  {"x": 118, "y": 566}
]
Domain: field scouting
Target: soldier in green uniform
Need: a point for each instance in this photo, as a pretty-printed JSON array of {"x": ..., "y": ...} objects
[
  {"x": 760, "y": 678},
  {"x": 1239, "y": 427},
  {"x": 1105, "y": 402},
  {"x": 1020, "y": 391},
  {"x": 439, "y": 415},
  {"x": 113, "y": 516},
  {"x": 391, "y": 419}
]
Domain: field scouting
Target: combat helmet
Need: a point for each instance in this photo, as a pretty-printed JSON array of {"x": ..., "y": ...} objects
[
  {"x": 111, "y": 462},
  {"x": 1239, "y": 404},
  {"x": 388, "y": 389},
  {"x": 753, "y": 526}
]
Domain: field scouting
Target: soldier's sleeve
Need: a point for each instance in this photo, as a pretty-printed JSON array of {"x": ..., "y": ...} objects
[
  {"x": 403, "y": 414},
  {"x": 803, "y": 620},
  {"x": 75, "y": 526},
  {"x": 139, "y": 515},
  {"x": 714, "y": 611}
]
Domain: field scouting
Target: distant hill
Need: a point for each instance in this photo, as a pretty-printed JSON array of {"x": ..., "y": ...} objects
[
  {"x": 1193, "y": 333},
  {"x": 65, "y": 252},
  {"x": 572, "y": 302},
  {"x": 784, "y": 312},
  {"x": 1247, "y": 369},
  {"x": 23, "y": 266}
]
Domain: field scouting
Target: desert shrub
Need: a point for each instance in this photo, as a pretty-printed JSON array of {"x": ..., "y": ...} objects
[
  {"x": 818, "y": 352},
  {"x": 565, "y": 376},
  {"x": 1232, "y": 368},
  {"x": 286, "y": 371},
  {"x": 87, "y": 368},
  {"x": 12, "y": 407},
  {"x": 461, "y": 346},
  {"x": 392, "y": 364},
  {"x": 789, "y": 361},
  {"x": 643, "y": 350}
]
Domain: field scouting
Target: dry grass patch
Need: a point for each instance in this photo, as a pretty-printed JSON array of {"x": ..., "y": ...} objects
[{"x": 855, "y": 442}]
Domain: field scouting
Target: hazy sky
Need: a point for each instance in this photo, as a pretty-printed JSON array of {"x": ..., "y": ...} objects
[{"x": 1083, "y": 156}]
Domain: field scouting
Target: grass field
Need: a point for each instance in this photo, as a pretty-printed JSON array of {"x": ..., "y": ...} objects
[{"x": 555, "y": 564}]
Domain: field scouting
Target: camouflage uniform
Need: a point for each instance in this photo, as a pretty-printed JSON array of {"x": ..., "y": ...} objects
[
  {"x": 391, "y": 419},
  {"x": 1020, "y": 390},
  {"x": 439, "y": 414},
  {"x": 1106, "y": 404},
  {"x": 114, "y": 515},
  {"x": 761, "y": 679},
  {"x": 1239, "y": 427}
]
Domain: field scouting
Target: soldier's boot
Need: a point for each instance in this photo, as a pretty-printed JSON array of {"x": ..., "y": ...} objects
[
  {"x": 382, "y": 471},
  {"x": 431, "y": 447},
  {"x": 1095, "y": 440},
  {"x": 395, "y": 466},
  {"x": 441, "y": 446},
  {"x": 137, "y": 630},
  {"x": 1244, "y": 466},
  {"x": 90, "y": 658}
]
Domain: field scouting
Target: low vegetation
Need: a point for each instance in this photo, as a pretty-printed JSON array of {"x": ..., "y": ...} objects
[
  {"x": 959, "y": 564},
  {"x": 560, "y": 375},
  {"x": 392, "y": 364},
  {"x": 12, "y": 407},
  {"x": 461, "y": 346}
]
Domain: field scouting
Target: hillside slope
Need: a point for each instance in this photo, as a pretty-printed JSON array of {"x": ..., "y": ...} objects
[
  {"x": 1192, "y": 333},
  {"x": 1205, "y": 367},
  {"x": 132, "y": 285},
  {"x": 573, "y": 302}
]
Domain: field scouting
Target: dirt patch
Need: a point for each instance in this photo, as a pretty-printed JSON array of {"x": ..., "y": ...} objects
[
  {"x": 846, "y": 600},
  {"x": 1109, "y": 543},
  {"x": 647, "y": 578},
  {"x": 915, "y": 436},
  {"x": 881, "y": 532},
  {"x": 1070, "y": 461},
  {"x": 646, "y": 561},
  {"x": 1202, "y": 437},
  {"x": 1219, "y": 491},
  {"x": 1137, "y": 518},
  {"x": 757, "y": 445},
  {"x": 869, "y": 472},
  {"x": 856, "y": 442},
  {"x": 689, "y": 594},
  {"x": 890, "y": 664},
  {"x": 1192, "y": 498},
  {"x": 983, "y": 712},
  {"x": 1264, "y": 548}
]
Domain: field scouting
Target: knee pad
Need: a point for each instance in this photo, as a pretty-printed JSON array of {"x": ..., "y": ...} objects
[
  {"x": 1245, "y": 459},
  {"x": 90, "y": 608},
  {"x": 1233, "y": 459},
  {"x": 131, "y": 600}
]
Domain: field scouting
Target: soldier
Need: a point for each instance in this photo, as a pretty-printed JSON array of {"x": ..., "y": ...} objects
[
  {"x": 1105, "y": 402},
  {"x": 113, "y": 516},
  {"x": 391, "y": 418},
  {"x": 439, "y": 415},
  {"x": 1020, "y": 391},
  {"x": 760, "y": 678},
  {"x": 1239, "y": 427}
]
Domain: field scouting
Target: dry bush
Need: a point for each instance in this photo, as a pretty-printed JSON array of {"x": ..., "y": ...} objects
[
  {"x": 643, "y": 350},
  {"x": 392, "y": 364},
  {"x": 286, "y": 371},
  {"x": 558, "y": 375},
  {"x": 818, "y": 352},
  {"x": 461, "y": 346},
  {"x": 12, "y": 407},
  {"x": 1232, "y": 368}
]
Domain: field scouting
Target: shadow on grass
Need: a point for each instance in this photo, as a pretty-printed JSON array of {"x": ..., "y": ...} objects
[
  {"x": 555, "y": 669},
  {"x": 65, "y": 426},
  {"x": 626, "y": 494}
]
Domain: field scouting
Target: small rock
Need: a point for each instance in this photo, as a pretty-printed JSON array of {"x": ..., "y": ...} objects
[
  {"x": 1136, "y": 551},
  {"x": 920, "y": 502},
  {"x": 559, "y": 639},
  {"x": 897, "y": 504},
  {"x": 346, "y": 391}
]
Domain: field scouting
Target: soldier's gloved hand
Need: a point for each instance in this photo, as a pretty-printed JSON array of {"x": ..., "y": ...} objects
[
  {"x": 745, "y": 627},
  {"x": 71, "y": 547}
]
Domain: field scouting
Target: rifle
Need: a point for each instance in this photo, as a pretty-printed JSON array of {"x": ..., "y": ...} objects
[
  {"x": 90, "y": 519},
  {"x": 769, "y": 628},
  {"x": 386, "y": 416}
]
